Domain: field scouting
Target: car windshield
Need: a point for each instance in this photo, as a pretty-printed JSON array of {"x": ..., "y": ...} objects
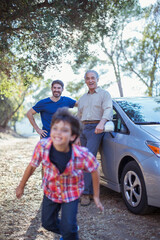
[{"x": 141, "y": 110}]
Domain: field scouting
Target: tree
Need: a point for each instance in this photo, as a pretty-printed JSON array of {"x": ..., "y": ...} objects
[
  {"x": 40, "y": 32},
  {"x": 107, "y": 42},
  {"x": 36, "y": 34},
  {"x": 12, "y": 101},
  {"x": 144, "y": 61}
]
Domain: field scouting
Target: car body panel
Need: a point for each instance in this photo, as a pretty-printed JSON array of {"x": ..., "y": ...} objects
[{"x": 154, "y": 130}]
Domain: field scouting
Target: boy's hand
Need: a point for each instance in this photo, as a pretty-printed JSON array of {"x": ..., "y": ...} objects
[
  {"x": 19, "y": 192},
  {"x": 98, "y": 204}
]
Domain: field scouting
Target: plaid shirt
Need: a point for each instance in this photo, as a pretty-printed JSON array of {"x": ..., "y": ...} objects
[{"x": 69, "y": 185}]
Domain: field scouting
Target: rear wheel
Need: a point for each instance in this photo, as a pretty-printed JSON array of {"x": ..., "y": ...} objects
[{"x": 133, "y": 189}]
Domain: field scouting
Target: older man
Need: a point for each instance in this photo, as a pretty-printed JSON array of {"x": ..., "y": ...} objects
[{"x": 94, "y": 109}]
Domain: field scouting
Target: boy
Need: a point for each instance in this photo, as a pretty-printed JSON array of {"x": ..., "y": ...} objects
[{"x": 63, "y": 165}]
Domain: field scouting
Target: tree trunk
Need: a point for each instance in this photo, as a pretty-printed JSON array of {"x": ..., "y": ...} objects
[{"x": 116, "y": 66}]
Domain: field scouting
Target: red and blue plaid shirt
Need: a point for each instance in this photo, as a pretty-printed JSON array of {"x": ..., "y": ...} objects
[{"x": 69, "y": 185}]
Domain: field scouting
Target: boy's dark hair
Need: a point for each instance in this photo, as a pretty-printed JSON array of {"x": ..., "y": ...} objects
[
  {"x": 63, "y": 114},
  {"x": 58, "y": 82}
]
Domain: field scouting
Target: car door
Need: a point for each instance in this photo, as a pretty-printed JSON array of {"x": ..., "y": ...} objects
[{"x": 110, "y": 146}]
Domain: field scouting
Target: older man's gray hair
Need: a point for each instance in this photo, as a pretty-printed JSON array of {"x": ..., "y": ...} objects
[{"x": 92, "y": 71}]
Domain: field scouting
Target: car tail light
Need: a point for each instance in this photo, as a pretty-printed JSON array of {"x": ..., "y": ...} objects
[{"x": 155, "y": 147}]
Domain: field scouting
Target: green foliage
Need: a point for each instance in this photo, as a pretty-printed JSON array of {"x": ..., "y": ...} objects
[
  {"x": 36, "y": 34},
  {"x": 12, "y": 94},
  {"x": 144, "y": 61},
  {"x": 134, "y": 56},
  {"x": 76, "y": 88},
  {"x": 8, "y": 105},
  {"x": 106, "y": 40},
  {"x": 40, "y": 32},
  {"x": 45, "y": 90},
  {"x": 107, "y": 25}
]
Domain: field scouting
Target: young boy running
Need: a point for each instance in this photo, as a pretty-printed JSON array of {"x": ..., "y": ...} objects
[{"x": 63, "y": 163}]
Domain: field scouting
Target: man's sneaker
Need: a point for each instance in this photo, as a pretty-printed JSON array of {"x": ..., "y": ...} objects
[{"x": 61, "y": 238}]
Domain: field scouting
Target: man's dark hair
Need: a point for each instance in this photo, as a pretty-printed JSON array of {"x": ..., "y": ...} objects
[
  {"x": 58, "y": 82},
  {"x": 63, "y": 114}
]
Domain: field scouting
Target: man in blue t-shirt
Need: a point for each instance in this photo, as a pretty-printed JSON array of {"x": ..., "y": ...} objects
[{"x": 48, "y": 106}]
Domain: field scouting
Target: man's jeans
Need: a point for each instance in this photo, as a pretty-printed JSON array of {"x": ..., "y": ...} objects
[
  {"x": 67, "y": 226},
  {"x": 92, "y": 141}
]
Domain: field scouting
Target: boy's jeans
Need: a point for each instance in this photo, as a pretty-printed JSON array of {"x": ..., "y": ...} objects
[{"x": 67, "y": 226}]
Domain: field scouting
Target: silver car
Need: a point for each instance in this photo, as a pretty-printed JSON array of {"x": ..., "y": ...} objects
[{"x": 130, "y": 155}]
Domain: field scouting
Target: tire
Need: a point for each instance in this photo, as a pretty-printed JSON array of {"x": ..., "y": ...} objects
[{"x": 133, "y": 189}]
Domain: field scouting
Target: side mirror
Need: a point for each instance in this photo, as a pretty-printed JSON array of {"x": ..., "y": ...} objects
[{"x": 109, "y": 126}]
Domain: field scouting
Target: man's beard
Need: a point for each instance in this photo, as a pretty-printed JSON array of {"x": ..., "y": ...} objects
[{"x": 56, "y": 94}]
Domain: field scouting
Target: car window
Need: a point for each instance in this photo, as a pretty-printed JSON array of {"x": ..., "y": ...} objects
[
  {"x": 142, "y": 111},
  {"x": 119, "y": 123}
]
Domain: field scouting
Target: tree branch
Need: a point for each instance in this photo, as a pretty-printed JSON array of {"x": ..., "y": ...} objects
[{"x": 131, "y": 68}]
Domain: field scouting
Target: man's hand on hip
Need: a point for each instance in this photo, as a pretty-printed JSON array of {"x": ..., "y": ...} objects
[{"x": 42, "y": 133}]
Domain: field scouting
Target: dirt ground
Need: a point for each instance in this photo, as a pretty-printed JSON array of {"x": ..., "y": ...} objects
[{"x": 20, "y": 219}]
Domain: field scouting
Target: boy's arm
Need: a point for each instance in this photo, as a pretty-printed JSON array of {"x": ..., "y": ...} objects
[
  {"x": 95, "y": 181},
  {"x": 28, "y": 172}
]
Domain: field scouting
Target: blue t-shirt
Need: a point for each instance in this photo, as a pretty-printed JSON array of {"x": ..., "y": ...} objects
[{"x": 46, "y": 107}]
